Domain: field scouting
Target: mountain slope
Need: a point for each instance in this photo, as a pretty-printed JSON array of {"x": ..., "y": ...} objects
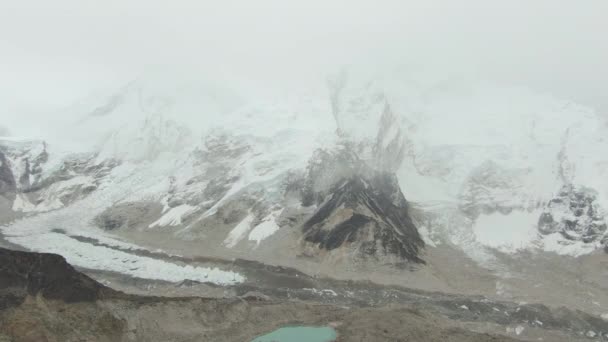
[
  {"x": 367, "y": 215},
  {"x": 321, "y": 172}
]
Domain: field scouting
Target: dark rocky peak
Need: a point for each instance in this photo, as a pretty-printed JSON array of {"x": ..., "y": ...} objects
[
  {"x": 575, "y": 214},
  {"x": 327, "y": 168},
  {"x": 366, "y": 217}
]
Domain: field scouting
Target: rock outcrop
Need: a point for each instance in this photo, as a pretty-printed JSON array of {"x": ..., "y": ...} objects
[
  {"x": 33, "y": 184},
  {"x": 368, "y": 217},
  {"x": 575, "y": 214},
  {"x": 7, "y": 180},
  {"x": 25, "y": 274}
]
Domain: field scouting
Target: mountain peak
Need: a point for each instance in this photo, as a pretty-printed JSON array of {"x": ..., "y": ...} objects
[{"x": 367, "y": 216}]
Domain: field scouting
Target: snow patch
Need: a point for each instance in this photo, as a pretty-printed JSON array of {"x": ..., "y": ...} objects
[
  {"x": 238, "y": 232},
  {"x": 322, "y": 292},
  {"x": 560, "y": 245},
  {"x": 174, "y": 216},
  {"x": 23, "y": 204},
  {"x": 266, "y": 228},
  {"x": 426, "y": 236},
  {"x": 507, "y": 233}
]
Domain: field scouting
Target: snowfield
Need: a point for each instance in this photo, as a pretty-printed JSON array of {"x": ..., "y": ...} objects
[{"x": 484, "y": 161}]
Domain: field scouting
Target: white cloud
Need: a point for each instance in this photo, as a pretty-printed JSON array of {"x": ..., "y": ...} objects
[{"x": 54, "y": 53}]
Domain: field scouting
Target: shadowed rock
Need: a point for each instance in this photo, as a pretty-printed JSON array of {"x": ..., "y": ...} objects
[
  {"x": 7, "y": 180},
  {"x": 368, "y": 216},
  {"x": 575, "y": 214},
  {"x": 48, "y": 275}
]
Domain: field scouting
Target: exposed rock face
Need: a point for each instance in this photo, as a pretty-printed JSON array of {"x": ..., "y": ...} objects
[
  {"x": 33, "y": 168},
  {"x": 575, "y": 214},
  {"x": 7, "y": 180},
  {"x": 21, "y": 164},
  {"x": 32, "y": 184},
  {"x": 325, "y": 170},
  {"x": 48, "y": 275},
  {"x": 368, "y": 217},
  {"x": 128, "y": 215}
]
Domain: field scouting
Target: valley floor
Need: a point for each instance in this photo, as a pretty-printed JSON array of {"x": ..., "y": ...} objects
[
  {"x": 545, "y": 278},
  {"x": 63, "y": 305},
  {"x": 451, "y": 298}
]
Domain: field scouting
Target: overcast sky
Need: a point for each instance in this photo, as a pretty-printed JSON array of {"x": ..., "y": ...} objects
[{"x": 54, "y": 52}]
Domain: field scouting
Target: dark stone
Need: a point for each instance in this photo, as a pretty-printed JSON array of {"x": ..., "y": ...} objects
[
  {"x": 48, "y": 275},
  {"x": 7, "y": 179},
  {"x": 379, "y": 223},
  {"x": 585, "y": 222},
  {"x": 111, "y": 223},
  {"x": 127, "y": 215}
]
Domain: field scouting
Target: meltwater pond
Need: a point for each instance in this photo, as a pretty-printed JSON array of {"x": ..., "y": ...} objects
[{"x": 299, "y": 334}]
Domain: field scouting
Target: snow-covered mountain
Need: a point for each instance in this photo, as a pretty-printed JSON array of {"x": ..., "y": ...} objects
[{"x": 335, "y": 168}]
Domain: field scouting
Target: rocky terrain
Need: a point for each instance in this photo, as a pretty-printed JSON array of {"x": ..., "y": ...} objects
[
  {"x": 576, "y": 215},
  {"x": 45, "y": 299},
  {"x": 370, "y": 216}
]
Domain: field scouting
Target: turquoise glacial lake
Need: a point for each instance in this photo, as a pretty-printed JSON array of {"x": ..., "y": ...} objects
[{"x": 299, "y": 334}]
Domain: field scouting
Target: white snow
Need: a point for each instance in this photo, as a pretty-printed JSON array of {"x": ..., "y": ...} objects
[
  {"x": 426, "y": 235},
  {"x": 322, "y": 292},
  {"x": 509, "y": 233},
  {"x": 174, "y": 216},
  {"x": 22, "y": 204},
  {"x": 266, "y": 228},
  {"x": 560, "y": 245},
  {"x": 473, "y": 143},
  {"x": 604, "y": 316},
  {"x": 154, "y": 131},
  {"x": 127, "y": 182},
  {"x": 153, "y": 128},
  {"x": 103, "y": 258},
  {"x": 73, "y": 182},
  {"x": 239, "y": 231}
]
